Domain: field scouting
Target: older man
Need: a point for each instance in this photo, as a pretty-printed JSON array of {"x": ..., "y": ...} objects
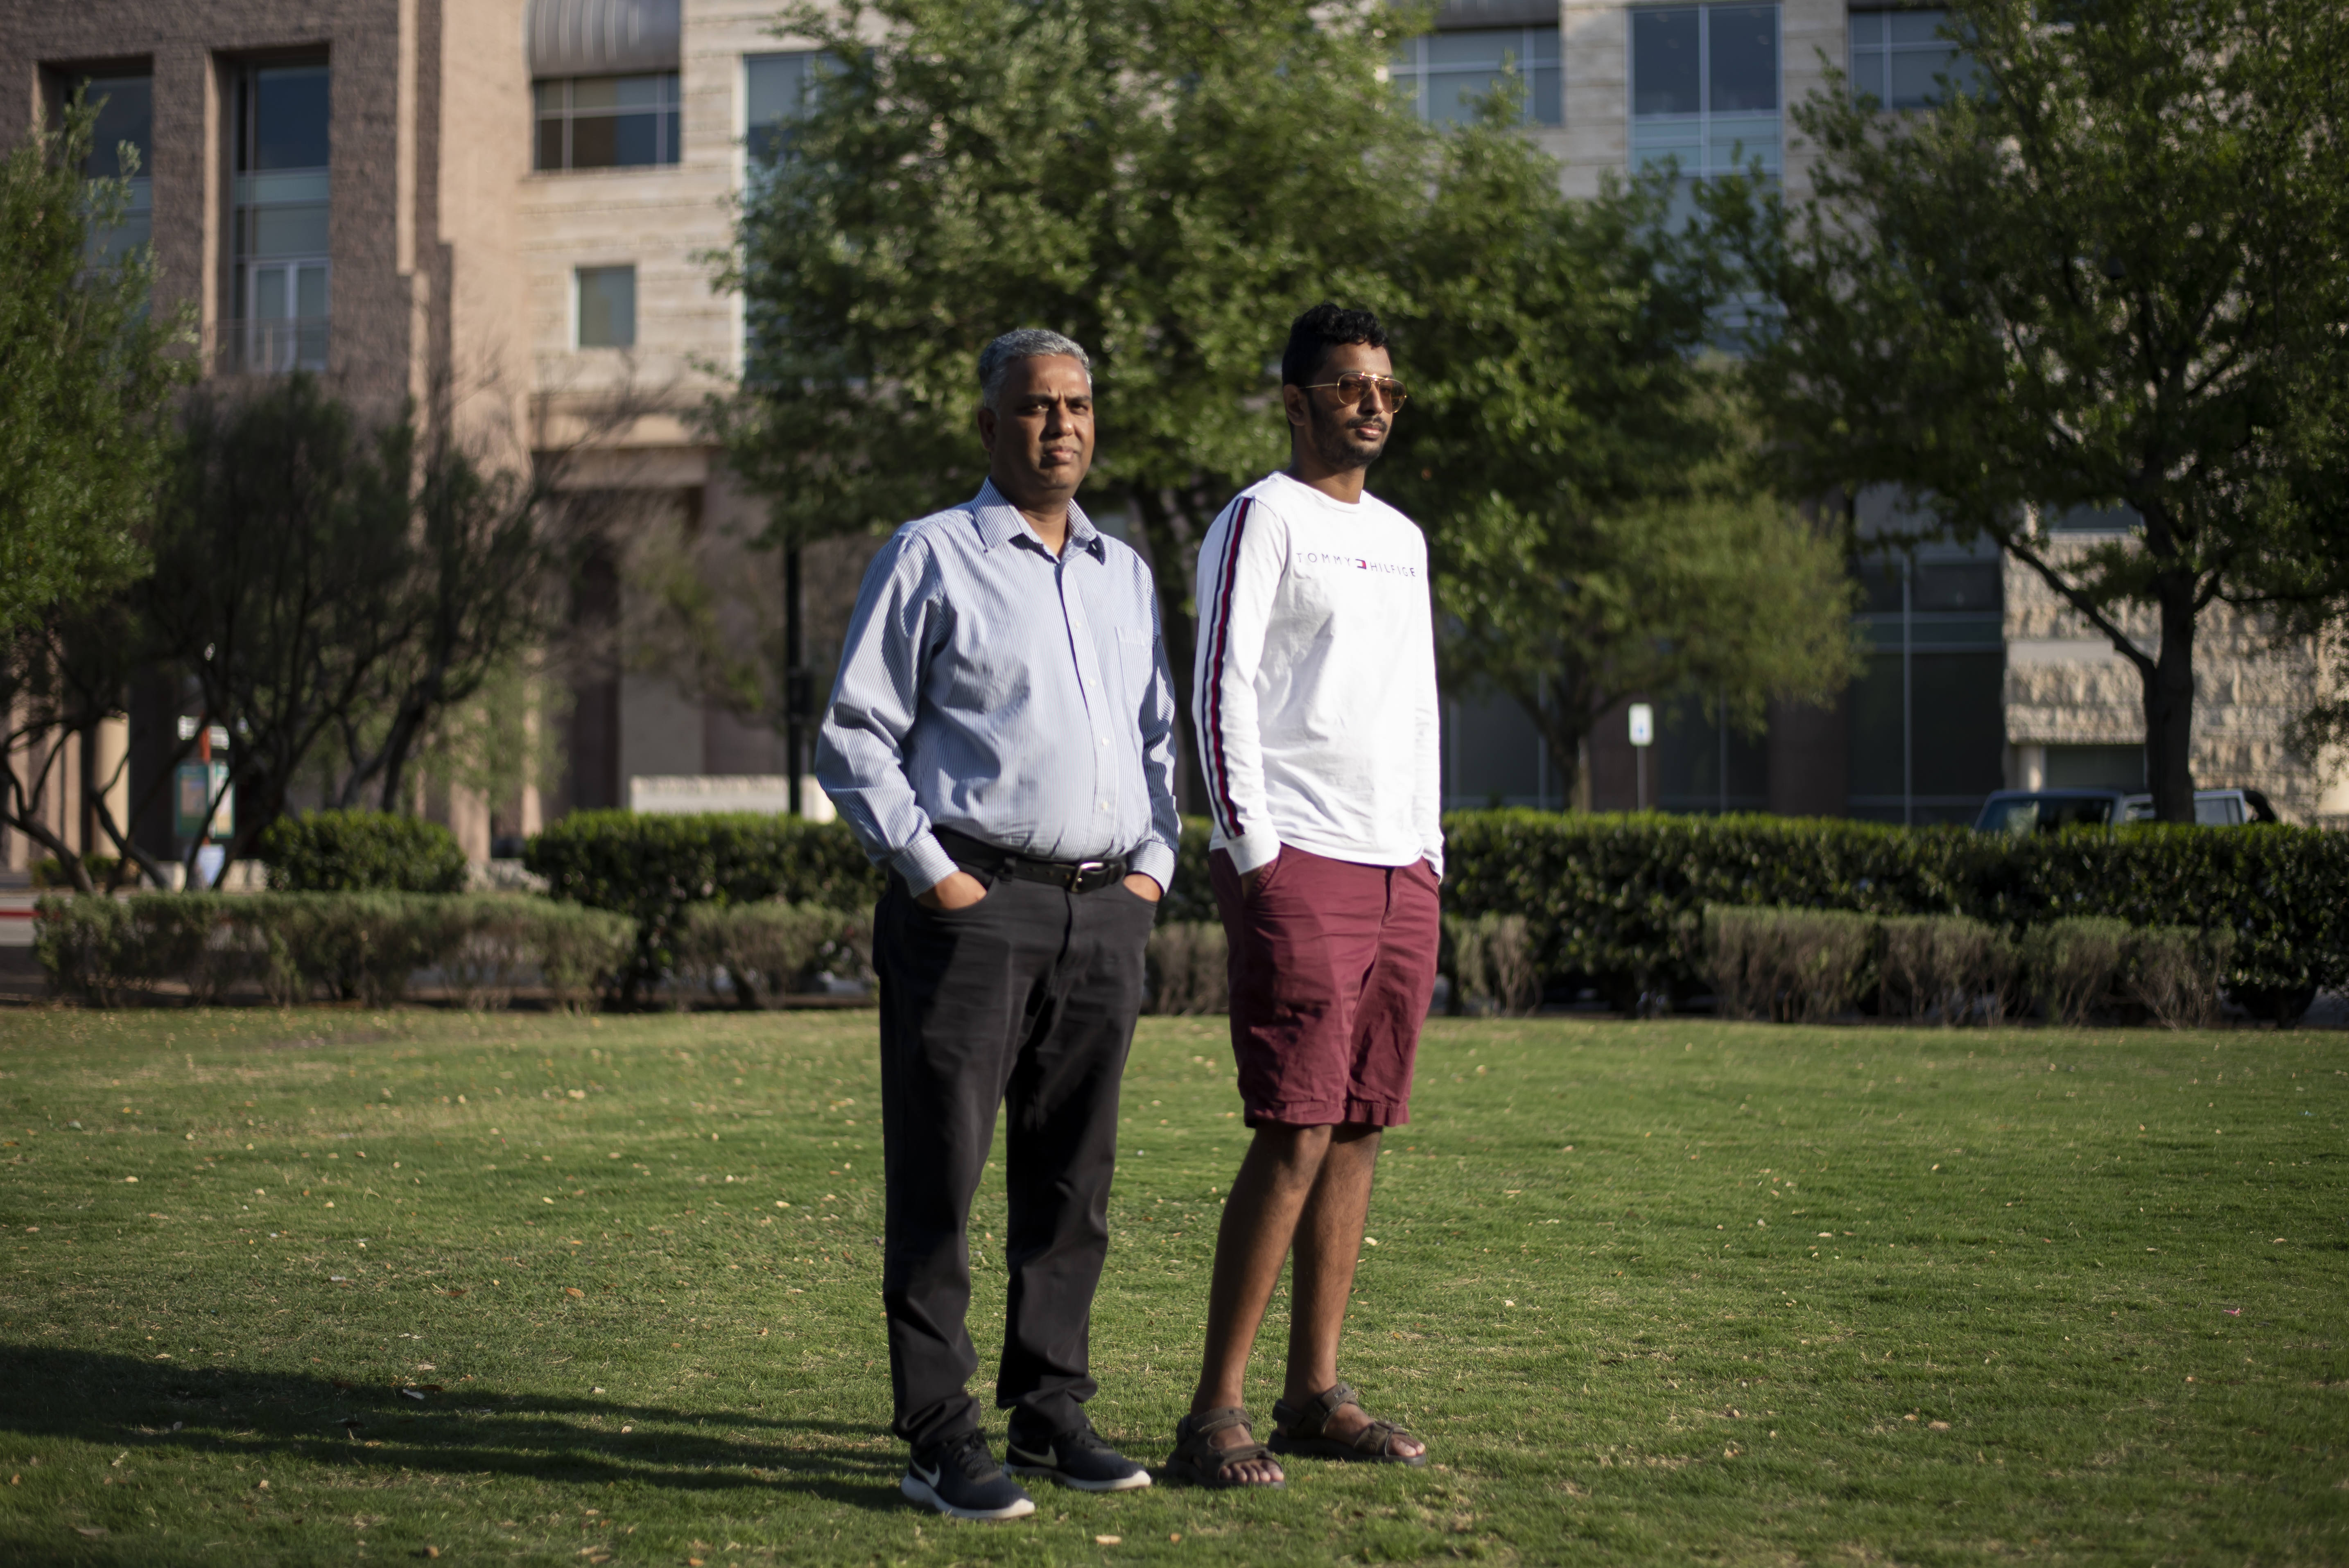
[{"x": 1001, "y": 738}]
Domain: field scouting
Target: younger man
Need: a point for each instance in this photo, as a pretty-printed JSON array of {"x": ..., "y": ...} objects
[{"x": 1315, "y": 705}]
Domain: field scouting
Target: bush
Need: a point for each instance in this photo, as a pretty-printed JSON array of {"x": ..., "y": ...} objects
[
  {"x": 49, "y": 871},
  {"x": 1945, "y": 966},
  {"x": 1189, "y": 964},
  {"x": 361, "y": 851},
  {"x": 294, "y": 945},
  {"x": 768, "y": 948},
  {"x": 1491, "y": 964},
  {"x": 2174, "y": 973},
  {"x": 1617, "y": 900},
  {"x": 1791, "y": 965},
  {"x": 2074, "y": 965},
  {"x": 653, "y": 868}
]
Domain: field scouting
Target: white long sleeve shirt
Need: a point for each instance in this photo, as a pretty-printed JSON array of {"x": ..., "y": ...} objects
[{"x": 1314, "y": 692}]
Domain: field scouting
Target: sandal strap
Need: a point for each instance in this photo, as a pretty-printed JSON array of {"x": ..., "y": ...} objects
[
  {"x": 1311, "y": 1421},
  {"x": 1192, "y": 1432},
  {"x": 1208, "y": 1423}
]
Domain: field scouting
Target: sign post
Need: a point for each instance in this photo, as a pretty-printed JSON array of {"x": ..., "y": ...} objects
[{"x": 1643, "y": 735}]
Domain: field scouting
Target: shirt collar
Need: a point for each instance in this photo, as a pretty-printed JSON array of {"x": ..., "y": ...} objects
[{"x": 999, "y": 522}]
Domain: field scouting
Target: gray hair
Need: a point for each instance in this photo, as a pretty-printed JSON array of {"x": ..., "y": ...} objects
[{"x": 995, "y": 361}]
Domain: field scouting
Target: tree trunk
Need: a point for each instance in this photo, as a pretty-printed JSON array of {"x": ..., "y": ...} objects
[
  {"x": 2170, "y": 703},
  {"x": 1171, "y": 567}
]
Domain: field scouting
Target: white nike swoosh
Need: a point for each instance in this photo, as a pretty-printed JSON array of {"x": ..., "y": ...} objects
[
  {"x": 1049, "y": 1457},
  {"x": 929, "y": 1477}
]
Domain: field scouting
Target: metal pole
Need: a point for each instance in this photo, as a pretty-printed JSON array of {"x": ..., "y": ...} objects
[
  {"x": 795, "y": 681},
  {"x": 1721, "y": 722}
]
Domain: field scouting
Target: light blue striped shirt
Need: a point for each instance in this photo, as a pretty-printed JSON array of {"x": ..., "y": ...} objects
[{"x": 989, "y": 688}]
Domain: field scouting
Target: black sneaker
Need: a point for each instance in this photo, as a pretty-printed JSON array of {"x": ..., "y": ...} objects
[
  {"x": 1077, "y": 1458},
  {"x": 959, "y": 1478}
]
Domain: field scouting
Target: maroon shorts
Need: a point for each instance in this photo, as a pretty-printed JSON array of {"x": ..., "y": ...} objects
[{"x": 1332, "y": 965}]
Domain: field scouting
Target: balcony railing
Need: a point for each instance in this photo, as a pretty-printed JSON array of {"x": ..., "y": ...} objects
[{"x": 271, "y": 348}]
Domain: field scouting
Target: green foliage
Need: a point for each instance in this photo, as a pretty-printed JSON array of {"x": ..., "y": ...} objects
[
  {"x": 2075, "y": 965},
  {"x": 1583, "y": 466},
  {"x": 1790, "y": 965},
  {"x": 86, "y": 373},
  {"x": 1188, "y": 964},
  {"x": 763, "y": 950},
  {"x": 1618, "y": 900},
  {"x": 360, "y": 946},
  {"x": 651, "y": 868},
  {"x": 1945, "y": 966},
  {"x": 1491, "y": 964},
  {"x": 2111, "y": 273},
  {"x": 353, "y": 852},
  {"x": 2175, "y": 972}
]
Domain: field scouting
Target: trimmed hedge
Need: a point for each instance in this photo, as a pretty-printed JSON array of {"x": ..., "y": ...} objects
[
  {"x": 1613, "y": 901},
  {"x": 653, "y": 868},
  {"x": 361, "y": 851},
  {"x": 766, "y": 949},
  {"x": 1618, "y": 900},
  {"x": 294, "y": 945}
]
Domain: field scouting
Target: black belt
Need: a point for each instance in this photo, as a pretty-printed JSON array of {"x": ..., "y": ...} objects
[{"x": 1077, "y": 876}]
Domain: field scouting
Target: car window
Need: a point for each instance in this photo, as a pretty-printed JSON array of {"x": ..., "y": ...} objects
[{"x": 2218, "y": 810}]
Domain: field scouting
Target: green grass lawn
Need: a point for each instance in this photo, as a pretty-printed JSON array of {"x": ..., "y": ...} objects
[{"x": 1654, "y": 1292}]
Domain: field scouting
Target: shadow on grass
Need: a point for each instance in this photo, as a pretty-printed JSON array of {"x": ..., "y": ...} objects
[{"x": 100, "y": 1398}]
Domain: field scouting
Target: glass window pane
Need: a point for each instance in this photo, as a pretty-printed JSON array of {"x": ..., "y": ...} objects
[
  {"x": 633, "y": 138},
  {"x": 310, "y": 293},
  {"x": 287, "y": 231},
  {"x": 1915, "y": 26},
  {"x": 1664, "y": 62},
  {"x": 607, "y": 308},
  {"x": 595, "y": 92},
  {"x": 2096, "y": 519},
  {"x": 1541, "y": 46},
  {"x": 1483, "y": 47},
  {"x": 1956, "y": 704},
  {"x": 672, "y": 142},
  {"x": 1867, "y": 74},
  {"x": 126, "y": 112},
  {"x": 269, "y": 293},
  {"x": 1913, "y": 71},
  {"x": 289, "y": 107},
  {"x": 775, "y": 86},
  {"x": 639, "y": 92},
  {"x": 1452, "y": 95},
  {"x": 548, "y": 94},
  {"x": 1745, "y": 43},
  {"x": 1957, "y": 585},
  {"x": 1546, "y": 100},
  {"x": 549, "y": 144},
  {"x": 594, "y": 141}
]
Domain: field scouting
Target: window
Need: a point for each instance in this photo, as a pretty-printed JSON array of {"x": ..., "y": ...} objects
[
  {"x": 607, "y": 123},
  {"x": 2122, "y": 518},
  {"x": 1444, "y": 73},
  {"x": 775, "y": 90},
  {"x": 281, "y": 217},
  {"x": 1705, "y": 87},
  {"x": 1896, "y": 55},
  {"x": 607, "y": 308},
  {"x": 125, "y": 114}
]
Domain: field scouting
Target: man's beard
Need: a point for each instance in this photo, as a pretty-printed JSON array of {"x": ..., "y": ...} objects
[{"x": 1336, "y": 446}]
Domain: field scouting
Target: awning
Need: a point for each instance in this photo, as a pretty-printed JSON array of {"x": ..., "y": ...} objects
[{"x": 603, "y": 37}]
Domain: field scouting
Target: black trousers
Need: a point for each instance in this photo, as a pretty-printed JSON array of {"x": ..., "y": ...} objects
[{"x": 1026, "y": 999}]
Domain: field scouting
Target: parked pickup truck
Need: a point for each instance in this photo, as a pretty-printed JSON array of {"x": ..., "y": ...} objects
[{"x": 2045, "y": 811}]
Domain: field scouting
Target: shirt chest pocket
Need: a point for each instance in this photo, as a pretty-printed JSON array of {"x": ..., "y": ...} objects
[{"x": 1137, "y": 650}]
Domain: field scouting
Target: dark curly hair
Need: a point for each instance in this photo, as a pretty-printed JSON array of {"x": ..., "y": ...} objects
[{"x": 1324, "y": 328}]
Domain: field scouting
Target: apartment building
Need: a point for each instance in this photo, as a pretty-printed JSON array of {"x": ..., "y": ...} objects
[
  {"x": 501, "y": 209},
  {"x": 1977, "y": 676},
  {"x": 497, "y": 209}
]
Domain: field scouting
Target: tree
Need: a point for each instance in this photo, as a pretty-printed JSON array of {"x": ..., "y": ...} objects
[
  {"x": 1582, "y": 464},
  {"x": 1168, "y": 184},
  {"x": 2111, "y": 271},
  {"x": 85, "y": 372}
]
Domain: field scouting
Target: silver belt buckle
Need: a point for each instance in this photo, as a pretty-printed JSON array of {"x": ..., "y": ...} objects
[{"x": 1084, "y": 870}]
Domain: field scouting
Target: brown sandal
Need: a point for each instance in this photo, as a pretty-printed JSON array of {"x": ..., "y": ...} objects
[
  {"x": 1201, "y": 1463},
  {"x": 1300, "y": 1432}
]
